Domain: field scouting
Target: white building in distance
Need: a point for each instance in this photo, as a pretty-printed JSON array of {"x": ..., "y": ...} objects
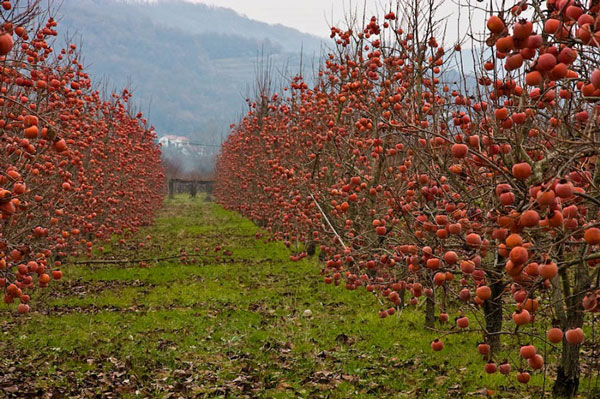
[{"x": 172, "y": 141}]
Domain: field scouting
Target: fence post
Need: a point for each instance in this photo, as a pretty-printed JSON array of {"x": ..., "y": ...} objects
[
  {"x": 171, "y": 194},
  {"x": 209, "y": 191}
]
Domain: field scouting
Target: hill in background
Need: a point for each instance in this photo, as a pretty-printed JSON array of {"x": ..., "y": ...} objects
[{"x": 191, "y": 64}]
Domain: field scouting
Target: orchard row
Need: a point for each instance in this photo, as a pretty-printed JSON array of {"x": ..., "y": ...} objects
[
  {"x": 74, "y": 168},
  {"x": 473, "y": 189}
]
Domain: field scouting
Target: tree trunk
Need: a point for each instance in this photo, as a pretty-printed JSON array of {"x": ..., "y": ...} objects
[
  {"x": 492, "y": 308},
  {"x": 493, "y": 316},
  {"x": 430, "y": 311},
  {"x": 402, "y": 294},
  {"x": 171, "y": 193},
  {"x": 567, "y": 377},
  {"x": 311, "y": 248}
]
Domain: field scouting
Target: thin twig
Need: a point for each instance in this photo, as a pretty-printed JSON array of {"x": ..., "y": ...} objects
[{"x": 328, "y": 222}]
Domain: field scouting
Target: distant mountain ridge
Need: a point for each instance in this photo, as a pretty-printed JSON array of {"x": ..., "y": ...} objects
[
  {"x": 191, "y": 63},
  {"x": 202, "y": 18}
]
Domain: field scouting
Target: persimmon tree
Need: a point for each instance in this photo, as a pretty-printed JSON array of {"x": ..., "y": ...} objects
[
  {"x": 475, "y": 193},
  {"x": 75, "y": 168}
]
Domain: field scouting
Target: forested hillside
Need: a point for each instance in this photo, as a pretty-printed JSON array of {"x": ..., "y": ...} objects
[{"x": 190, "y": 63}]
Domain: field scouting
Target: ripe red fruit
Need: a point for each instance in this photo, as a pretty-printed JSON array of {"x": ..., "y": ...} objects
[
  {"x": 20, "y": 31},
  {"x": 44, "y": 278},
  {"x": 536, "y": 362},
  {"x": 575, "y": 336},
  {"x": 546, "y": 62},
  {"x": 527, "y": 351},
  {"x": 23, "y": 308},
  {"x": 522, "y": 29},
  {"x": 504, "y": 368},
  {"x": 490, "y": 368},
  {"x": 31, "y": 132},
  {"x": 459, "y": 150},
  {"x": 590, "y": 301},
  {"x": 552, "y": 26},
  {"x": 501, "y": 113},
  {"x": 6, "y": 44},
  {"x": 484, "y": 349},
  {"x": 450, "y": 257},
  {"x": 473, "y": 240},
  {"x": 495, "y": 24},
  {"x": 564, "y": 189},
  {"x": 467, "y": 266},
  {"x": 521, "y": 317},
  {"x": 595, "y": 78},
  {"x": 567, "y": 55},
  {"x": 507, "y": 198},
  {"x": 559, "y": 71},
  {"x": 548, "y": 270},
  {"x": 533, "y": 78},
  {"x": 505, "y": 44},
  {"x": 439, "y": 279},
  {"x": 534, "y": 42},
  {"x": 555, "y": 335},
  {"x": 437, "y": 345},
  {"x": 433, "y": 263},
  {"x": 582, "y": 116},
  {"x": 531, "y": 305},
  {"x": 573, "y": 12},
  {"x": 570, "y": 211},
  {"x": 514, "y": 62},
  {"x": 523, "y": 377},
  {"x": 518, "y": 255},
  {"x": 462, "y": 322},
  {"x": 532, "y": 269},
  {"x": 529, "y": 218},
  {"x": 592, "y": 236},
  {"x": 464, "y": 295},
  {"x": 546, "y": 198},
  {"x": 521, "y": 170},
  {"x": 484, "y": 292},
  {"x": 60, "y": 145}
]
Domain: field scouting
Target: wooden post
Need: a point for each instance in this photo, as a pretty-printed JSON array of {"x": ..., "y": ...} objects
[
  {"x": 171, "y": 194},
  {"x": 209, "y": 190}
]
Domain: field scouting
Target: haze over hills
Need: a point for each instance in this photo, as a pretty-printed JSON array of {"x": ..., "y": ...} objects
[{"x": 190, "y": 63}]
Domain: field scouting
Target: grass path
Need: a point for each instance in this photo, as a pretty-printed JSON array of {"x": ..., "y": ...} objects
[{"x": 224, "y": 327}]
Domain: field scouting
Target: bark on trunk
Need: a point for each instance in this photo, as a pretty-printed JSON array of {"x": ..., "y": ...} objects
[
  {"x": 567, "y": 377},
  {"x": 402, "y": 294},
  {"x": 493, "y": 316},
  {"x": 492, "y": 308},
  {"x": 171, "y": 189},
  {"x": 430, "y": 311},
  {"x": 311, "y": 248}
]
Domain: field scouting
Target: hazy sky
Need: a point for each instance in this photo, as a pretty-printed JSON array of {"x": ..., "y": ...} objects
[
  {"x": 312, "y": 16},
  {"x": 315, "y": 16}
]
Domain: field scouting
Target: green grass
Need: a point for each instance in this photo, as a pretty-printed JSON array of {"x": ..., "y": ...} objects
[{"x": 229, "y": 327}]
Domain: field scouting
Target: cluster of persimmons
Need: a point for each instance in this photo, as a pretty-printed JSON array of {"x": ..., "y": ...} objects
[
  {"x": 475, "y": 193},
  {"x": 74, "y": 168}
]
